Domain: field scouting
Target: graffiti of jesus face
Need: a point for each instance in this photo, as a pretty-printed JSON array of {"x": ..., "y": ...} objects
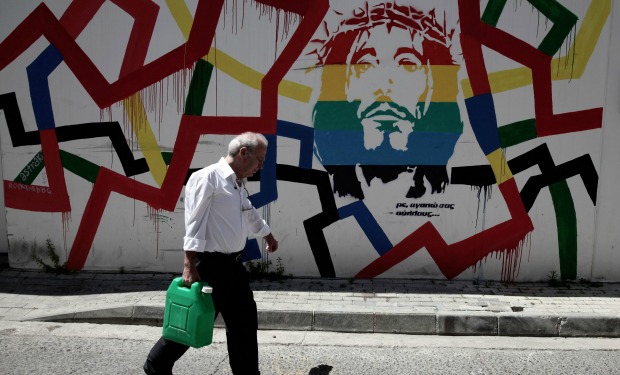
[
  {"x": 386, "y": 76},
  {"x": 387, "y": 101}
]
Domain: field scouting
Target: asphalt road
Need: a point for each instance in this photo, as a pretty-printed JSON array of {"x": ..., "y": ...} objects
[{"x": 55, "y": 348}]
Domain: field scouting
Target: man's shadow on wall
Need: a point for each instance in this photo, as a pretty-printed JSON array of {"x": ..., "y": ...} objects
[{"x": 321, "y": 370}]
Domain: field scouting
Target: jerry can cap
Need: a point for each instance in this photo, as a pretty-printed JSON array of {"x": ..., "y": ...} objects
[{"x": 207, "y": 289}]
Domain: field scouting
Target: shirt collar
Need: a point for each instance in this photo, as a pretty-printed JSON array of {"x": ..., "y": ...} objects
[{"x": 226, "y": 169}]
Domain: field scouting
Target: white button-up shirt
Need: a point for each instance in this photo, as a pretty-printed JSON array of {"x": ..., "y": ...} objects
[{"x": 218, "y": 214}]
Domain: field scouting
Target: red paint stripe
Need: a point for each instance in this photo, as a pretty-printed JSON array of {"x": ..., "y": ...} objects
[
  {"x": 563, "y": 123},
  {"x": 41, "y": 22},
  {"x": 469, "y": 15},
  {"x": 543, "y": 102},
  {"x": 42, "y": 198},
  {"x": 190, "y": 129},
  {"x": 293, "y": 49},
  {"x": 474, "y": 62},
  {"x": 78, "y": 15},
  {"x": 24, "y": 35},
  {"x": 507, "y": 45},
  {"x": 93, "y": 212},
  {"x": 144, "y": 13},
  {"x": 31, "y": 198},
  {"x": 453, "y": 259},
  {"x": 107, "y": 182},
  {"x": 476, "y": 33},
  {"x": 53, "y": 166}
]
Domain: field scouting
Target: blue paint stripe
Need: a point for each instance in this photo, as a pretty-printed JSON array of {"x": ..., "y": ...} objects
[
  {"x": 304, "y": 134},
  {"x": 369, "y": 225},
  {"x": 250, "y": 251},
  {"x": 268, "y": 187},
  {"x": 483, "y": 119},
  {"x": 38, "y": 71}
]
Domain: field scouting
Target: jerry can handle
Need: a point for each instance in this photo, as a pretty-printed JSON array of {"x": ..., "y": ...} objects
[
  {"x": 207, "y": 289},
  {"x": 196, "y": 286}
]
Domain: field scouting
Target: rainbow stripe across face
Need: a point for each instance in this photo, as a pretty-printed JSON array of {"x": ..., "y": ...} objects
[{"x": 339, "y": 136}]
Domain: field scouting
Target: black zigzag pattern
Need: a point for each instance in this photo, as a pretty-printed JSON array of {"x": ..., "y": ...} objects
[
  {"x": 314, "y": 226},
  {"x": 582, "y": 166},
  {"x": 112, "y": 130}
]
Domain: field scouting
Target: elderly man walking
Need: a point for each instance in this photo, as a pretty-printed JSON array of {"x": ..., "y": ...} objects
[{"x": 218, "y": 219}]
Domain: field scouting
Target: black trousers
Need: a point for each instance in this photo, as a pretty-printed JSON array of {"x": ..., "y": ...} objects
[{"x": 233, "y": 298}]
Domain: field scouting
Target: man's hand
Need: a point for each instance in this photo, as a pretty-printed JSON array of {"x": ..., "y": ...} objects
[
  {"x": 190, "y": 272},
  {"x": 272, "y": 243}
]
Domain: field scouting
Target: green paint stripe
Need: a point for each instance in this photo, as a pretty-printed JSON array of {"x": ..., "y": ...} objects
[
  {"x": 517, "y": 132},
  {"x": 71, "y": 162},
  {"x": 31, "y": 170},
  {"x": 492, "y": 12},
  {"x": 566, "y": 219},
  {"x": 340, "y": 115},
  {"x": 197, "y": 93},
  {"x": 563, "y": 21},
  {"x": 167, "y": 156},
  {"x": 552, "y": 43},
  {"x": 79, "y": 166}
]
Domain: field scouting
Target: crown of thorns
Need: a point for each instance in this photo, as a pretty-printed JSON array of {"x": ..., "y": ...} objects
[{"x": 390, "y": 14}]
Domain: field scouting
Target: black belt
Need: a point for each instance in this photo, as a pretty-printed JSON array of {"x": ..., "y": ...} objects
[{"x": 235, "y": 256}]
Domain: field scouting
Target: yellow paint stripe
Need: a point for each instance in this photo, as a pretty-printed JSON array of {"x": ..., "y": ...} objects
[
  {"x": 136, "y": 113},
  {"x": 252, "y": 78},
  {"x": 227, "y": 64},
  {"x": 181, "y": 15},
  {"x": 499, "y": 164},
  {"x": 503, "y": 80},
  {"x": 445, "y": 88},
  {"x": 585, "y": 42},
  {"x": 561, "y": 68}
]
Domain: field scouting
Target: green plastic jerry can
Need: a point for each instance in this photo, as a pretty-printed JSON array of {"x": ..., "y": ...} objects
[{"x": 189, "y": 314}]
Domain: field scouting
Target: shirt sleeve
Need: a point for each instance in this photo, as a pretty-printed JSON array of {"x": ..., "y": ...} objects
[
  {"x": 257, "y": 227},
  {"x": 198, "y": 196}
]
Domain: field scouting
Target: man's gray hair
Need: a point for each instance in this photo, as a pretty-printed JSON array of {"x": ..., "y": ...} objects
[{"x": 248, "y": 140}]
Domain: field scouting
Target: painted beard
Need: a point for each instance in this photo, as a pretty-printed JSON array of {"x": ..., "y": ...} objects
[
  {"x": 341, "y": 138},
  {"x": 387, "y": 123},
  {"x": 341, "y": 144}
]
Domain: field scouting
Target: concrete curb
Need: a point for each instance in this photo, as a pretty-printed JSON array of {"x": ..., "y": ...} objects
[{"x": 466, "y": 323}]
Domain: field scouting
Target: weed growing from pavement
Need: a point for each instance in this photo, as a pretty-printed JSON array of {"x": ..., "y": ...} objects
[
  {"x": 594, "y": 284},
  {"x": 56, "y": 267},
  {"x": 554, "y": 281},
  {"x": 261, "y": 270}
]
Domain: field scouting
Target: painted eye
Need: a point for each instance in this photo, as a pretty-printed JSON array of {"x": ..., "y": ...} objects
[
  {"x": 410, "y": 67},
  {"x": 361, "y": 68},
  {"x": 409, "y": 62}
]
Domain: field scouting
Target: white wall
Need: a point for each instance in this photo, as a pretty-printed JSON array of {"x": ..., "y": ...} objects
[
  {"x": 133, "y": 236},
  {"x": 606, "y": 257}
]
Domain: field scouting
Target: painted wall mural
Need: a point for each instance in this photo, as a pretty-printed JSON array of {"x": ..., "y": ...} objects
[{"x": 426, "y": 139}]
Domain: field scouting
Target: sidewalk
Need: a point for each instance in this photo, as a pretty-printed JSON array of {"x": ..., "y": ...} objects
[{"x": 382, "y": 305}]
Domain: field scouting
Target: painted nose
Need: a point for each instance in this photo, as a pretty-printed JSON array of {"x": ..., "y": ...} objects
[{"x": 384, "y": 89}]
